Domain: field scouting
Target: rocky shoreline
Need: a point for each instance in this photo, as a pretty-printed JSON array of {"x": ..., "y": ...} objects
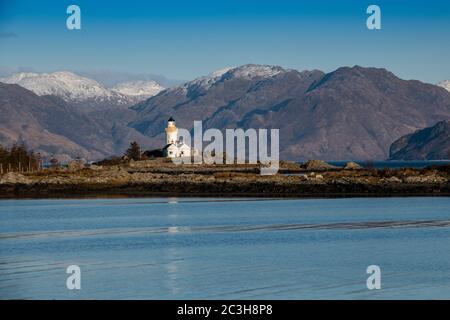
[{"x": 162, "y": 178}]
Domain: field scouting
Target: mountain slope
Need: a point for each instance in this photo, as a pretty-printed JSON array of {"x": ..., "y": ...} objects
[
  {"x": 431, "y": 143},
  {"x": 140, "y": 89},
  {"x": 445, "y": 84},
  {"x": 351, "y": 113},
  {"x": 230, "y": 92},
  {"x": 84, "y": 92},
  {"x": 51, "y": 126}
]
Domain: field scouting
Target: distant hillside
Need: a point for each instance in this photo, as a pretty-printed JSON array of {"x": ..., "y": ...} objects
[
  {"x": 84, "y": 92},
  {"x": 141, "y": 90},
  {"x": 445, "y": 84},
  {"x": 431, "y": 143},
  {"x": 351, "y": 113},
  {"x": 51, "y": 126}
]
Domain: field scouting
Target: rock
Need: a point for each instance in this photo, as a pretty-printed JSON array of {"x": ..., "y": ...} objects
[
  {"x": 75, "y": 165},
  {"x": 95, "y": 167},
  {"x": 352, "y": 166},
  {"x": 58, "y": 180},
  {"x": 317, "y": 165},
  {"x": 13, "y": 177},
  {"x": 393, "y": 180},
  {"x": 289, "y": 165},
  {"x": 145, "y": 163},
  {"x": 117, "y": 173},
  {"x": 425, "y": 179}
]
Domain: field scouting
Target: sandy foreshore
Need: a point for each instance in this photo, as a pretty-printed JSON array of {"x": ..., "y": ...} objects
[{"x": 152, "y": 178}]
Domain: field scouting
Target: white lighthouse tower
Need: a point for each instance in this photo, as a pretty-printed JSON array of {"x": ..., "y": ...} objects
[
  {"x": 175, "y": 147},
  {"x": 171, "y": 132}
]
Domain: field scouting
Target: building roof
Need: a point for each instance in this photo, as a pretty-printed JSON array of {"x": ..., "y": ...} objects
[
  {"x": 156, "y": 153},
  {"x": 176, "y": 145},
  {"x": 167, "y": 146}
]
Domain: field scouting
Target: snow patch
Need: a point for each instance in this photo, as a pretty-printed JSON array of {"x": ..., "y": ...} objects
[
  {"x": 63, "y": 84},
  {"x": 445, "y": 84},
  {"x": 74, "y": 88},
  {"x": 251, "y": 71},
  {"x": 248, "y": 72},
  {"x": 144, "y": 89}
]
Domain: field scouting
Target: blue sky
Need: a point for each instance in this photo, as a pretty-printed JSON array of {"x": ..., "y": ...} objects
[{"x": 186, "y": 39}]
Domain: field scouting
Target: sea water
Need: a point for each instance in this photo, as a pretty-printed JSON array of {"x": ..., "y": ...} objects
[{"x": 211, "y": 248}]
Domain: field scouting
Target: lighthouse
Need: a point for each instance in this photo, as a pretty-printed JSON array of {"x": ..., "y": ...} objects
[
  {"x": 171, "y": 131},
  {"x": 175, "y": 147}
]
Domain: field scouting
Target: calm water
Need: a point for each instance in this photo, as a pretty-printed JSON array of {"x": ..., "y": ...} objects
[{"x": 225, "y": 249}]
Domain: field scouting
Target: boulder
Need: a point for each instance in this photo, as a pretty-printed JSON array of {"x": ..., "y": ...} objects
[
  {"x": 432, "y": 178},
  {"x": 95, "y": 167},
  {"x": 289, "y": 165},
  {"x": 352, "y": 166},
  {"x": 393, "y": 180},
  {"x": 75, "y": 165},
  {"x": 317, "y": 165},
  {"x": 13, "y": 178}
]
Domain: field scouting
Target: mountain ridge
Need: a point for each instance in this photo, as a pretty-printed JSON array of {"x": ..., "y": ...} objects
[
  {"x": 432, "y": 143},
  {"x": 351, "y": 113},
  {"x": 51, "y": 126},
  {"x": 445, "y": 84},
  {"x": 84, "y": 92}
]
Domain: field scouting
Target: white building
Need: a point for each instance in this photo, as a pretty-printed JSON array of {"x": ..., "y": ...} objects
[{"x": 175, "y": 147}]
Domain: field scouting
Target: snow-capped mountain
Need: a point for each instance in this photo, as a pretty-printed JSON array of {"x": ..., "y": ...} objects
[
  {"x": 445, "y": 84},
  {"x": 63, "y": 84},
  {"x": 80, "y": 90},
  {"x": 251, "y": 71},
  {"x": 141, "y": 89},
  {"x": 320, "y": 115},
  {"x": 207, "y": 81},
  {"x": 246, "y": 72}
]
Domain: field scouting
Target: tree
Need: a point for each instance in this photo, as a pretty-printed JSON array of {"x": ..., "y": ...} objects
[
  {"x": 18, "y": 158},
  {"x": 134, "y": 151},
  {"x": 3, "y": 154}
]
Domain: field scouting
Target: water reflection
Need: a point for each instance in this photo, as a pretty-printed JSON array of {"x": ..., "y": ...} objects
[{"x": 265, "y": 249}]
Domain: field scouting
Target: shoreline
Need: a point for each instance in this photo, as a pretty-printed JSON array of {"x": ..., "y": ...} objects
[
  {"x": 217, "y": 196},
  {"x": 19, "y": 191},
  {"x": 161, "y": 179}
]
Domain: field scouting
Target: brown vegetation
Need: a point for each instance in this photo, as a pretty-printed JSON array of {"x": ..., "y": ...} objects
[{"x": 160, "y": 177}]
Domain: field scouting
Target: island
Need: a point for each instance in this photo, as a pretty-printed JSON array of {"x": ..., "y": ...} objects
[{"x": 161, "y": 177}]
